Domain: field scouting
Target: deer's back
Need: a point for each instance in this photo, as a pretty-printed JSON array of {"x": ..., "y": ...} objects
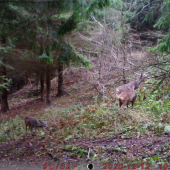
[
  {"x": 128, "y": 86},
  {"x": 30, "y": 121}
]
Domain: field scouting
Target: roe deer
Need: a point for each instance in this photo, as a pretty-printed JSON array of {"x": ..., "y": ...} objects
[
  {"x": 126, "y": 97},
  {"x": 136, "y": 84},
  {"x": 31, "y": 122}
]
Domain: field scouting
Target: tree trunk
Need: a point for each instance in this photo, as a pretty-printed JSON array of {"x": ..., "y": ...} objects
[
  {"x": 37, "y": 91},
  {"x": 60, "y": 81},
  {"x": 48, "y": 84},
  {"x": 4, "y": 95},
  {"x": 42, "y": 86}
]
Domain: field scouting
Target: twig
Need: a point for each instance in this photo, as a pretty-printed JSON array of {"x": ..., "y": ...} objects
[
  {"x": 97, "y": 21},
  {"x": 88, "y": 40},
  {"x": 89, "y": 153}
]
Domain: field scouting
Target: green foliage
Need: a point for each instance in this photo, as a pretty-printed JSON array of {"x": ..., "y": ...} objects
[
  {"x": 97, "y": 4},
  {"x": 149, "y": 18},
  {"x": 45, "y": 58},
  {"x": 69, "y": 137},
  {"x": 11, "y": 129},
  {"x": 97, "y": 121},
  {"x": 76, "y": 151},
  {"x": 24, "y": 21},
  {"x": 151, "y": 161},
  {"x": 68, "y": 26},
  {"x": 164, "y": 23},
  {"x": 164, "y": 46},
  {"x": 156, "y": 106},
  {"x": 6, "y": 84},
  {"x": 69, "y": 56},
  {"x": 145, "y": 14},
  {"x": 4, "y": 51},
  {"x": 80, "y": 152},
  {"x": 81, "y": 11},
  {"x": 164, "y": 20}
]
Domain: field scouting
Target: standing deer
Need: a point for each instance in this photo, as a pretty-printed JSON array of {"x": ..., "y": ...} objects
[
  {"x": 136, "y": 84},
  {"x": 126, "y": 97},
  {"x": 31, "y": 122}
]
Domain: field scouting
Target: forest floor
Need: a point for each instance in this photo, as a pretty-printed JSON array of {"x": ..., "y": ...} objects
[
  {"x": 83, "y": 129},
  {"x": 39, "y": 152}
]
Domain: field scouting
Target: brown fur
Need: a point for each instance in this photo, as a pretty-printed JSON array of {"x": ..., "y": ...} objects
[
  {"x": 31, "y": 123},
  {"x": 136, "y": 84},
  {"x": 126, "y": 97}
]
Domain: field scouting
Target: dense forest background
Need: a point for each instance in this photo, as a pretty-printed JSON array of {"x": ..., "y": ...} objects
[{"x": 61, "y": 60}]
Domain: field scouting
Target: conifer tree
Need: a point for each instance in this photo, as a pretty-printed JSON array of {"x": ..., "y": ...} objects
[
  {"x": 163, "y": 46},
  {"x": 24, "y": 21}
]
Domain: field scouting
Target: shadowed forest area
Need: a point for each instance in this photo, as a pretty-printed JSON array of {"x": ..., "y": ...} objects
[{"x": 84, "y": 82}]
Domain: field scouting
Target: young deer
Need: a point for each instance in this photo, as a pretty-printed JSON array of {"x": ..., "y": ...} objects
[
  {"x": 126, "y": 97},
  {"x": 136, "y": 84},
  {"x": 31, "y": 122}
]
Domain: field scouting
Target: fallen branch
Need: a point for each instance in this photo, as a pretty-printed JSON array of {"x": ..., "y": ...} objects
[{"x": 110, "y": 138}]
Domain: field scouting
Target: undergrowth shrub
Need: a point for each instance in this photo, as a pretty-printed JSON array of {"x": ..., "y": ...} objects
[{"x": 11, "y": 129}]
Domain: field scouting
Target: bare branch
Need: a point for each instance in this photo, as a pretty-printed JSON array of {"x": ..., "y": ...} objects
[{"x": 97, "y": 21}]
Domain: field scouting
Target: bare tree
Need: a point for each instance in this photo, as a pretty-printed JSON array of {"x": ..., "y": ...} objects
[{"x": 112, "y": 51}]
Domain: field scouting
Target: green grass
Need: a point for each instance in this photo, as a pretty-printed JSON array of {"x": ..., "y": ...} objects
[
  {"x": 72, "y": 121},
  {"x": 93, "y": 121}
]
